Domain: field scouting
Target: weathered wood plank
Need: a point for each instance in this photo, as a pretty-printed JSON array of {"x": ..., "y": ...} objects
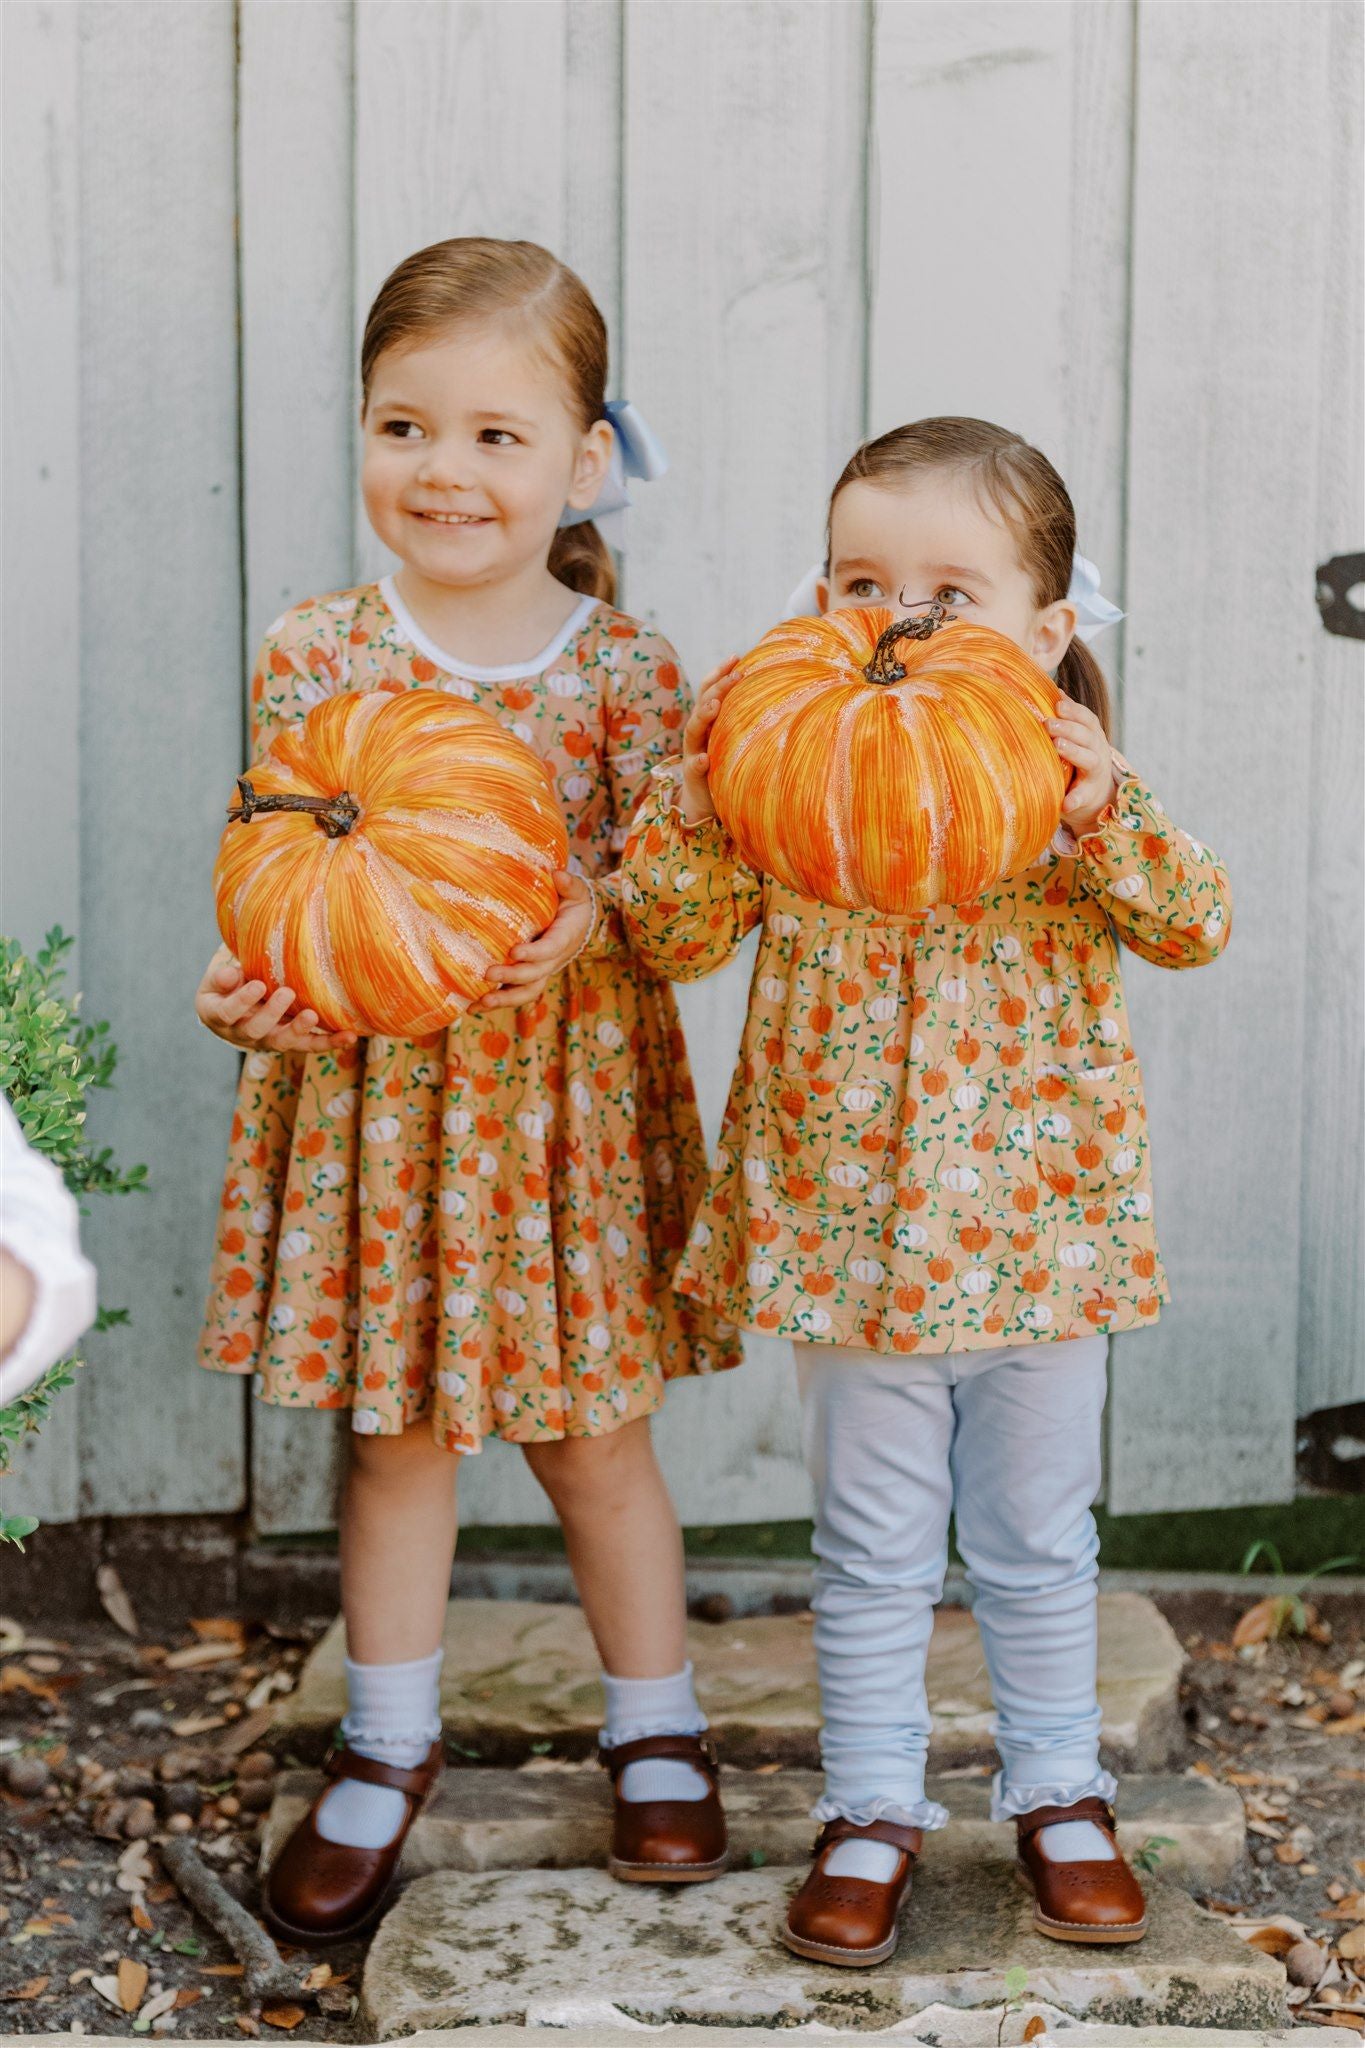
[
  {"x": 1235, "y": 151},
  {"x": 299, "y": 392},
  {"x": 160, "y": 717},
  {"x": 743, "y": 344},
  {"x": 1051, "y": 87},
  {"x": 1332, "y": 1269},
  {"x": 40, "y": 817}
]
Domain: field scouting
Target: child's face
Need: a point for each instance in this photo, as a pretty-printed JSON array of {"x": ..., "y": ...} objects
[
  {"x": 905, "y": 543},
  {"x": 471, "y": 452}
]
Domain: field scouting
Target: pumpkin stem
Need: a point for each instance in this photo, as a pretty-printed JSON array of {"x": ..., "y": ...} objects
[
  {"x": 884, "y": 667},
  {"x": 335, "y": 814}
]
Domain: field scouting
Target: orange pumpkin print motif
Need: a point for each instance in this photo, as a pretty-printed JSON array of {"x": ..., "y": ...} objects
[
  {"x": 479, "y": 1229},
  {"x": 936, "y": 1138}
]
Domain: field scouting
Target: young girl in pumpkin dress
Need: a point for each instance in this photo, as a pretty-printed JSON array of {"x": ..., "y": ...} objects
[
  {"x": 473, "y": 1237},
  {"x": 934, "y": 1178}
]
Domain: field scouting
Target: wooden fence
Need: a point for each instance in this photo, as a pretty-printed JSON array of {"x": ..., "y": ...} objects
[{"x": 1129, "y": 228}]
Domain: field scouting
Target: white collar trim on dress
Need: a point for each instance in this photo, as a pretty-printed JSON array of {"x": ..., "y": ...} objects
[{"x": 455, "y": 667}]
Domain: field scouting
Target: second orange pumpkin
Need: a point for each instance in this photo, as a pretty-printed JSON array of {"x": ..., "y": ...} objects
[{"x": 889, "y": 770}]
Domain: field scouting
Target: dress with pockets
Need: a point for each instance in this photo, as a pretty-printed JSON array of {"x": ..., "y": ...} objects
[
  {"x": 478, "y": 1231},
  {"x": 936, "y": 1138}
]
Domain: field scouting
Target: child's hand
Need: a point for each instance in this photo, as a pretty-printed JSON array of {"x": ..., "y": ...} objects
[
  {"x": 246, "y": 1015},
  {"x": 1080, "y": 740},
  {"x": 696, "y": 792},
  {"x": 531, "y": 967}
]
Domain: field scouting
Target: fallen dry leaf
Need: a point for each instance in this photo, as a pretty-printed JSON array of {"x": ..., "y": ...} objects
[
  {"x": 1352, "y": 1944},
  {"x": 248, "y": 2025},
  {"x": 220, "y": 1628},
  {"x": 285, "y": 2017},
  {"x": 220, "y": 1969},
  {"x": 1272, "y": 1941},
  {"x": 114, "y": 1600},
  {"x": 141, "y": 1918},
  {"x": 132, "y": 1983},
  {"x": 1350, "y": 1724},
  {"x": 1261, "y": 1622},
  {"x": 1352, "y": 1907},
  {"x": 14, "y": 1678},
  {"x": 320, "y": 1974},
  {"x": 34, "y": 1988},
  {"x": 195, "y": 1654},
  {"x": 1036, "y": 2026},
  {"x": 188, "y": 1994},
  {"x": 107, "y": 1988}
]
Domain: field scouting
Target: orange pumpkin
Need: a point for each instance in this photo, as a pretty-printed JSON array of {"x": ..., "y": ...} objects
[
  {"x": 887, "y": 763},
  {"x": 385, "y": 853}
]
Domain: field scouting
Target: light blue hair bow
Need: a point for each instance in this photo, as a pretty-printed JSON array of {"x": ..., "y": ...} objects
[
  {"x": 1094, "y": 612},
  {"x": 635, "y": 451}
]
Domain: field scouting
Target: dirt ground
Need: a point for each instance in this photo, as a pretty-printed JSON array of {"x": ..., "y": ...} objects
[{"x": 111, "y": 1745}]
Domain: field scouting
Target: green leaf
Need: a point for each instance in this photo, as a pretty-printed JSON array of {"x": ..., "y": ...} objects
[{"x": 1016, "y": 1981}]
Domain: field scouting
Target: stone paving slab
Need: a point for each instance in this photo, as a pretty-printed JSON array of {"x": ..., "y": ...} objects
[
  {"x": 520, "y": 1672},
  {"x": 542, "y": 1947},
  {"x": 938, "y": 2025},
  {"x": 559, "y": 1816}
]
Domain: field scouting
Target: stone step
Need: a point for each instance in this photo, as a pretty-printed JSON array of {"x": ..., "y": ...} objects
[
  {"x": 574, "y": 1948},
  {"x": 523, "y": 1672},
  {"x": 558, "y": 1817},
  {"x": 940, "y": 2026}
]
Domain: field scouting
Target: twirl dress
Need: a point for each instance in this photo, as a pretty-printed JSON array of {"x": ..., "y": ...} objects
[
  {"x": 480, "y": 1229},
  {"x": 936, "y": 1138}
]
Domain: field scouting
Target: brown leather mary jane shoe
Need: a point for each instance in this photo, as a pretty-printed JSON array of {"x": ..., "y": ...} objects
[
  {"x": 1088, "y": 1901},
  {"x": 318, "y": 1893},
  {"x": 850, "y": 1920},
  {"x": 667, "y": 1841}
]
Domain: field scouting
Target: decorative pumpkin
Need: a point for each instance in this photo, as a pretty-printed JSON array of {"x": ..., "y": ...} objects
[
  {"x": 887, "y": 763},
  {"x": 385, "y": 853}
]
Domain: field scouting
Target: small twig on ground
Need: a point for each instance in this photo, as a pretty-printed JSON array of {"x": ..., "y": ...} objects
[{"x": 264, "y": 1972}]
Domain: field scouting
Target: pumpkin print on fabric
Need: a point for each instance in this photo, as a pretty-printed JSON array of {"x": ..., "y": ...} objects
[
  {"x": 936, "y": 1138},
  {"x": 383, "y": 855},
  {"x": 478, "y": 1232},
  {"x": 877, "y": 762}
]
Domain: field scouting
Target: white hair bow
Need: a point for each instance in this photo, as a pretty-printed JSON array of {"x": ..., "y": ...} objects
[
  {"x": 635, "y": 451},
  {"x": 1094, "y": 612}
]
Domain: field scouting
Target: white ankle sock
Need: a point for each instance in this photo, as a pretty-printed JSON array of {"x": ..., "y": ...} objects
[
  {"x": 1075, "y": 1841},
  {"x": 393, "y": 1715},
  {"x": 637, "y": 1707},
  {"x": 860, "y": 1857}
]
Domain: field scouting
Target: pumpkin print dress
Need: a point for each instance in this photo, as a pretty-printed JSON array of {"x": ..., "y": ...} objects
[
  {"x": 936, "y": 1138},
  {"x": 480, "y": 1229}
]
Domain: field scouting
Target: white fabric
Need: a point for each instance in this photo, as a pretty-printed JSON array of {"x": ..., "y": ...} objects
[
  {"x": 637, "y": 1707},
  {"x": 1011, "y": 1440},
  {"x": 1094, "y": 613},
  {"x": 1075, "y": 1841},
  {"x": 873, "y": 1861},
  {"x": 40, "y": 1228},
  {"x": 393, "y": 1714}
]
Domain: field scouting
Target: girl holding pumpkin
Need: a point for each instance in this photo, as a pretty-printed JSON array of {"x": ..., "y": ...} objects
[
  {"x": 473, "y": 1237},
  {"x": 934, "y": 1174}
]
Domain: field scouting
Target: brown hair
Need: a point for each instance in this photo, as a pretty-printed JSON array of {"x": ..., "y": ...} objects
[
  {"x": 1030, "y": 497},
  {"x": 471, "y": 277}
]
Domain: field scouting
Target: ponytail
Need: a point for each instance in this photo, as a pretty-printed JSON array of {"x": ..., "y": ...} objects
[
  {"x": 581, "y": 558},
  {"x": 1082, "y": 678}
]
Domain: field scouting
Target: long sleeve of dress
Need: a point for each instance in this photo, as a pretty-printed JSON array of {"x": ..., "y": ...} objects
[
  {"x": 687, "y": 898},
  {"x": 644, "y": 711},
  {"x": 1167, "y": 894}
]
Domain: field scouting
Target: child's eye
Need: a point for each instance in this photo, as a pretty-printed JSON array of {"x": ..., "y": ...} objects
[
  {"x": 864, "y": 587},
  {"x": 400, "y": 430},
  {"x": 499, "y": 437},
  {"x": 949, "y": 594}
]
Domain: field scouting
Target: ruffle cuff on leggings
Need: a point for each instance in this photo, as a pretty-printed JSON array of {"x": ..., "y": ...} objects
[
  {"x": 1027, "y": 1798},
  {"x": 925, "y": 1813}
]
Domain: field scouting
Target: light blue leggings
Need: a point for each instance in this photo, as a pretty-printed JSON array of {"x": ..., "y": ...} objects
[{"x": 1011, "y": 1440}]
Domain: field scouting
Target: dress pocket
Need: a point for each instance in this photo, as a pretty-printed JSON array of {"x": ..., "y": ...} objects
[
  {"x": 827, "y": 1141},
  {"x": 1090, "y": 1133}
]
